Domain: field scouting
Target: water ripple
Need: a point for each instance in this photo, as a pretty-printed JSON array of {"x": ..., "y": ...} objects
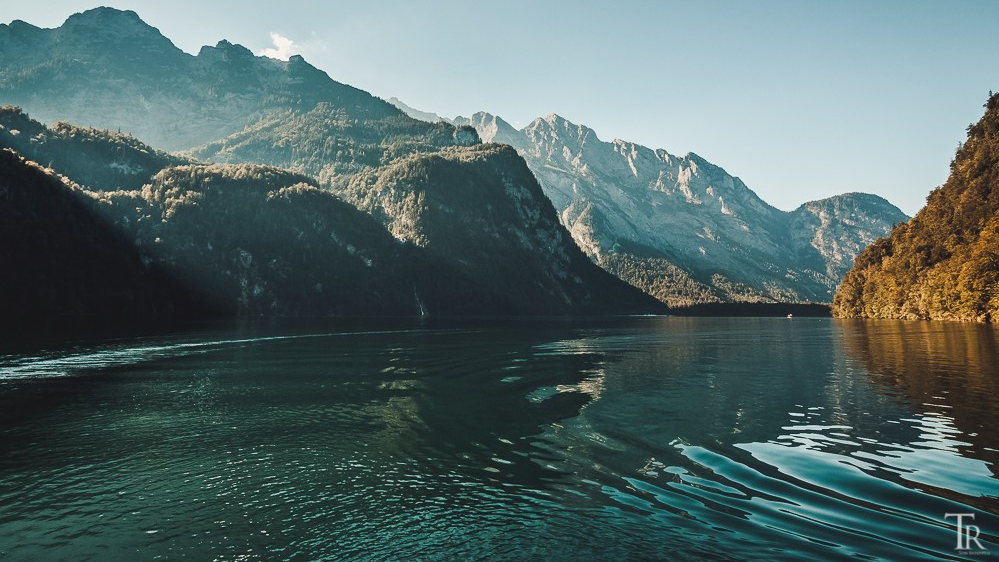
[{"x": 657, "y": 440}]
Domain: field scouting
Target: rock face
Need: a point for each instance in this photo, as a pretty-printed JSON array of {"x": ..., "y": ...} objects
[
  {"x": 839, "y": 228},
  {"x": 683, "y": 229},
  {"x": 944, "y": 263}
]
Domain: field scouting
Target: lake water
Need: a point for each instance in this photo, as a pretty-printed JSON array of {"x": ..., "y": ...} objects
[{"x": 616, "y": 439}]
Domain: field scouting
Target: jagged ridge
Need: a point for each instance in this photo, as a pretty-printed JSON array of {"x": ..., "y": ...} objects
[{"x": 649, "y": 216}]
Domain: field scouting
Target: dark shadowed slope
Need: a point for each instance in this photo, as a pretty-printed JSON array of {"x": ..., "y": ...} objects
[{"x": 65, "y": 263}]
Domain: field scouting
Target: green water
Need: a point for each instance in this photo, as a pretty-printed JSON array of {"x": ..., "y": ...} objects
[{"x": 626, "y": 439}]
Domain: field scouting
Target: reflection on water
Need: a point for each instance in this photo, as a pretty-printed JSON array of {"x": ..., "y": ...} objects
[
  {"x": 948, "y": 374},
  {"x": 947, "y": 371},
  {"x": 650, "y": 438}
]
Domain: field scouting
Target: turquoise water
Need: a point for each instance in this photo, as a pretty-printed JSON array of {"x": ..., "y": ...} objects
[{"x": 627, "y": 439}]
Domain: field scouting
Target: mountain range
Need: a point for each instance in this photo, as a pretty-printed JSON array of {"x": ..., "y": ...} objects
[
  {"x": 683, "y": 229},
  {"x": 107, "y": 68},
  {"x": 249, "y": 238},
  {"x": 295, "y": 194}
]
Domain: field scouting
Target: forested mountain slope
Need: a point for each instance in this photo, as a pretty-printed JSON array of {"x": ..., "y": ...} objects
[
  {"x": 944, "y": 263},
  {"x": 254, "y": 240},
  {"x": 265, "y": 230},
  {"x": 63, "y": 262}
]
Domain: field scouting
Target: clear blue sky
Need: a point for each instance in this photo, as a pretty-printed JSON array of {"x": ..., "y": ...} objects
[{"x": 801, "y": 99}]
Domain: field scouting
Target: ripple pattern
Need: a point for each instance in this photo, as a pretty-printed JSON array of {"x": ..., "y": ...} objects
[{"x": 640, "y": 439}]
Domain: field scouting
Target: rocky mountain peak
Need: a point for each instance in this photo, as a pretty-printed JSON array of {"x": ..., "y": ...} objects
[
  {"x": 226, "y": 53},
  {"x": 492, "y": 128},
  {"x": 110, "y": 34},
  {"x": 556, "y": 120},
  {"x": 103, "y": 16},
  {"x": 300, "y": 69},
  {"x": 110, "y": 22},
  {"x": 18, "y": 26},
  {"x": 16, "y": 37},
  {"x": 232, "y": 48},
  {"x": 556, "y": 127}
]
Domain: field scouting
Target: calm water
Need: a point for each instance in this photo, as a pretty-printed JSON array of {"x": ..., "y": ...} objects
[{"x": 624, "y": 439}]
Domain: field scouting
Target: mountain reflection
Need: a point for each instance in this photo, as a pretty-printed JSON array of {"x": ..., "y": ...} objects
[{"x": 945, "y": 370}]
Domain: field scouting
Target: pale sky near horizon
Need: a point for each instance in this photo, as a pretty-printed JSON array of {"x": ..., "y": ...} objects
[{"x": 802, "y": 100}]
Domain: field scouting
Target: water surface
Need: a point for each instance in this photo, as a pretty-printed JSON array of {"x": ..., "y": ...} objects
[{"x": 640, "y": 438}]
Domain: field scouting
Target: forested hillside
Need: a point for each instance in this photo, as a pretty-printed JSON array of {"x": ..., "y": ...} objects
[
  {"x": 481, "y": 208},
  {"x": 96, "y": 159},
  {"x": 944, "y": 263},
  {"x": 265, "y": 241},
  {"x": 255, "y": 240},
  {"x": 63, "y": 262}
]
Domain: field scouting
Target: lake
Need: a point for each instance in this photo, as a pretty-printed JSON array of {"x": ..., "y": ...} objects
[{"x": 660, "y": 438}]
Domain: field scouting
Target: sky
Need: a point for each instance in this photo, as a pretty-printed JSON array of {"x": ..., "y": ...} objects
[{"x": 800, "y": 99}]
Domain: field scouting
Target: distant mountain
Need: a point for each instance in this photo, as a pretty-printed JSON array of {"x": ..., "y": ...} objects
[
  {"x": 944, "y": 263},
  {"x": 683, "y": 229},
  {"x": 107, "y": 68},
  {"x": 840, "y": 227},
  {"x": 416, "y": 113}
]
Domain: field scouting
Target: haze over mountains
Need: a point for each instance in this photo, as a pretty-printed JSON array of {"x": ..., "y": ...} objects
[
  {"x": 681, "y": 228},
  {"x": 297, "y": 194}
]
